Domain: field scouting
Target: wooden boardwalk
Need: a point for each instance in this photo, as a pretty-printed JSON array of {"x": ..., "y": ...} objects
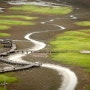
[
  {"x": 12, "y": 50},
  {"x": 21, "y": 68},
  {"x": 14, "y": 62},
  {"x": 23, "y": 65}
]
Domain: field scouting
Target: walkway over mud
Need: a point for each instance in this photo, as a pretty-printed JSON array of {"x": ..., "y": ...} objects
[
  {"x": 12, "y": 50},
  {"x": 23, "y": 65},
  {"x": 20, "y": 68},
  {"x": 14, "y": 62}
]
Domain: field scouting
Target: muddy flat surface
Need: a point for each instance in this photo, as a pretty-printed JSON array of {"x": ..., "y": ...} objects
[{"x": 42, "y": 78}]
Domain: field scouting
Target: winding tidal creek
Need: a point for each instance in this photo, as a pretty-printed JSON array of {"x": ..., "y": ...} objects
[
  {"x": 37, "y": 78},
  {"x": 69, "y": 78}
]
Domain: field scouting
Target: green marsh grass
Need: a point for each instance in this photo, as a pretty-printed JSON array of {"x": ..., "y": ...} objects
[
  {"x": 69, "y": 44},
  {"x": 4, "y": 27},
  {"x": 43, "y": 10},
  {"x": 8, "y": 79},
  {"x": 4, "y": 35},
  {"x": 18, "y": 16},
  {"x": 15, "y": 22},
  {"x": 6, "y": 23},
  {"x": 74, "y": 58},
  {"x": 83, "y": 23}
]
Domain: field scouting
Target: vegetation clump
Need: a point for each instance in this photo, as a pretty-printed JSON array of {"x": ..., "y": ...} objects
[
  {"x": 18, "y": 16},
  {"x": 4, "y": 35},
  {"x": 8, "y": 20},
  {"x": 68, "y": 47},
  {"x": 14, "y": 22},
  {"x": 43, "y": 10},
  {"x": 7, "y": 79},
  {"x": 4, "y": 27},
  {"x": 83, "y": 23}
]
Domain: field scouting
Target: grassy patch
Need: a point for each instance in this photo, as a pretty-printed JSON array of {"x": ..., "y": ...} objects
[
  {"x": 74, "y": 58},
  {"x": 68, "y": 46},
  {"x": 18, "y": 16},
  {"x": 83, "y": 23},
  {"x": 43, "y": 10},
  {"x": 3, "y": 27},
  {"x": 8, "y": 79},
  {"x": 6, "y": 23},
  {"x": 4, "y": 35},
  {"x": 72, "y": 40},
  {"x": 14, "y": 22}
]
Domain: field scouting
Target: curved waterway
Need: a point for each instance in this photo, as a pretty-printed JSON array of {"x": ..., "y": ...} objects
[{"x": 69, "y": 79}]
